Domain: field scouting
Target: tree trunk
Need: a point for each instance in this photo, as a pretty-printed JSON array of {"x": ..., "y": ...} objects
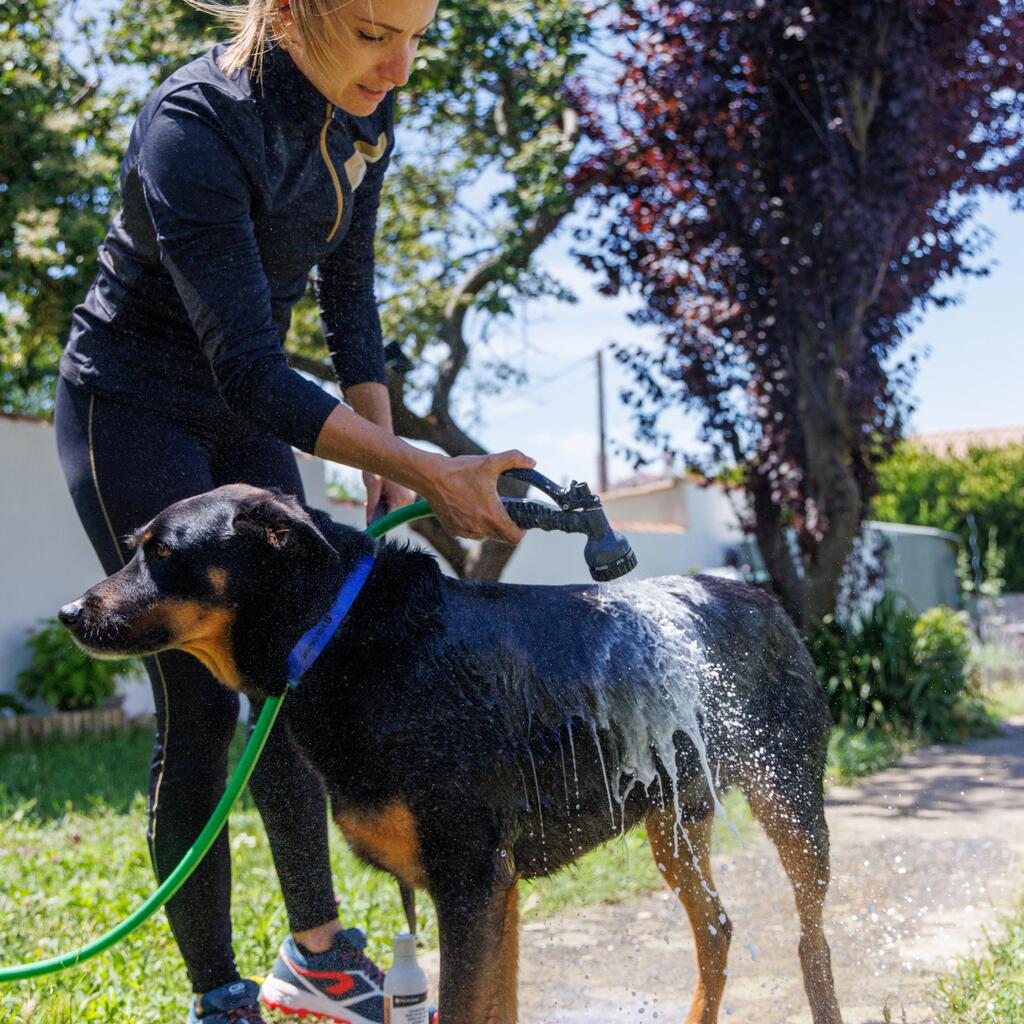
[{"x": 832, "y": 505}]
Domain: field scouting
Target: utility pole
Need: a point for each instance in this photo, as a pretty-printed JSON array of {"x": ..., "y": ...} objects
[{"x": 602, "y": 457}]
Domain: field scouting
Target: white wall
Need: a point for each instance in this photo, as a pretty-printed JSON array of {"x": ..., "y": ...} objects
[{"x": 45, "y": 560}]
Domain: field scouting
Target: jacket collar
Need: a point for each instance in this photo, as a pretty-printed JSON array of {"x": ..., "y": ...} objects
[{"x": 289, "y": 90}]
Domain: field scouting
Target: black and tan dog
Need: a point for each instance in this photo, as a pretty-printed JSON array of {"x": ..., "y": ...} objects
[{"x": 473, "y": 734}]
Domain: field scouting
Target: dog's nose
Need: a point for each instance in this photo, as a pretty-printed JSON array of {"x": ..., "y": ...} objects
[{"x": 71, "y": 613}]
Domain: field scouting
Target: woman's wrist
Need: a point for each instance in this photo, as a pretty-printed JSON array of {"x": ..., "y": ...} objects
[{"x": 353, "y": 440}]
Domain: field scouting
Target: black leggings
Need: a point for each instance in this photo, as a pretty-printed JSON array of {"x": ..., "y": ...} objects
[{"x": 124, "y": 464}]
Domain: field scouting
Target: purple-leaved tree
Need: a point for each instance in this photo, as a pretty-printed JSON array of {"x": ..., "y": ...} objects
[{"x": 801, "y": 180}]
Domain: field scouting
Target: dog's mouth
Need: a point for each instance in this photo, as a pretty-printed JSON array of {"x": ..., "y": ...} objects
[
  {"x": 104, "y": 627},
  {"x": 113, "y": 640}
]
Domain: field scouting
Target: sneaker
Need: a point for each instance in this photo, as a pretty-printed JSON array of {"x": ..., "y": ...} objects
[
  {"x": 341, "y": 984},
  {"x": 237, "y": 1002}
]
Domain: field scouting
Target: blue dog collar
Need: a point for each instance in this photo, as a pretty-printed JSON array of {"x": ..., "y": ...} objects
[{"x": 316, "y": 638}]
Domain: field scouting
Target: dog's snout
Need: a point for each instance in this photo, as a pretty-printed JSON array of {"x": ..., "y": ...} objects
[{"x": 71, "y": 613}]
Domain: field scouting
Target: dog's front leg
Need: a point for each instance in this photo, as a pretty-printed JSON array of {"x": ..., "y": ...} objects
[{"x": 479, "y": 932}]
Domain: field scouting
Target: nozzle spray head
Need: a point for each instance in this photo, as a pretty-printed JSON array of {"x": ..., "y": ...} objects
[{"x": 608, "y": 554}]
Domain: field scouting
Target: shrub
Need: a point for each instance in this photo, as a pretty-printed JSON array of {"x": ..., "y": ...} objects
[
  {"x": 62, "y": 675},
  {"x": 889, "y": 670},
  {"x": 11, "y": 705},
  {"x": 985, "y": 485}
]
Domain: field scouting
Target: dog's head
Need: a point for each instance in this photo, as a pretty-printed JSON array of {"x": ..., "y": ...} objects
[{"x": 229, "y": 576}]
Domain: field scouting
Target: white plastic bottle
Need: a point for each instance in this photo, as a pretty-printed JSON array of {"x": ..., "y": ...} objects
[{"x": 405, "y": 985}]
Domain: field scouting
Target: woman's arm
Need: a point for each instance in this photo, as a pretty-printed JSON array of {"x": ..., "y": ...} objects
[
  {"x": 371, "y": 401},
  {"x": 462, "y": 491},
  {"x": 199, "y": 195}
]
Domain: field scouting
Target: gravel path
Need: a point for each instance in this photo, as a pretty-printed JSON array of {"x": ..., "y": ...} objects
[{"x": 924, "y": 856}]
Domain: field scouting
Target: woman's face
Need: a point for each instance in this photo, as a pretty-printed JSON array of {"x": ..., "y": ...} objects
[{"x": 385, "y": 34}]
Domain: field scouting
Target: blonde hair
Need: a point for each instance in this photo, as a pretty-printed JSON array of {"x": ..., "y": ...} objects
[{"x": 257, "y": 27}]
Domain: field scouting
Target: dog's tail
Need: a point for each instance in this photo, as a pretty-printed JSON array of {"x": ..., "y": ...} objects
[{"x": 408, "y": 905}]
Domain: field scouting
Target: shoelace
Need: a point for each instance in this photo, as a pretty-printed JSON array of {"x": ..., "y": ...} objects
[
  {"x": 363, "y": 963},
  {"x": 356, "y": 941}
]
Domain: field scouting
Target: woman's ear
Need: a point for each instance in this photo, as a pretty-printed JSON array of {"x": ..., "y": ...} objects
[{"x": 287, "y": 19}]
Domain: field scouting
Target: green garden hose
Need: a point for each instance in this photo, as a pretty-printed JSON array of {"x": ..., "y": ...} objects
[{"x": 198, "y": 850}]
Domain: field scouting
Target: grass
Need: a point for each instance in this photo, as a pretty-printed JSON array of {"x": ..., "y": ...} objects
[
  {"x": 989, "y": 989},
  {"x": 73, "y": 862}
]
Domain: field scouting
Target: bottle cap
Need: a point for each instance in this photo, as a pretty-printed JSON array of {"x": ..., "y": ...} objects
[{"x": 404, "y": 945}]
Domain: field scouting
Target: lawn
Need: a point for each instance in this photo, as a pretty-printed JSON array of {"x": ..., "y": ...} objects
[
  {"x": 73, "y": 862},
  {"x": 989, "y": 989}
]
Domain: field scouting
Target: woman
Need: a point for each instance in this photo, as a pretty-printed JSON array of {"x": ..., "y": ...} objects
[{"x": 246, "y": 168}]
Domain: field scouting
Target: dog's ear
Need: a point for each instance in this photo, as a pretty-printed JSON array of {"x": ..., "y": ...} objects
[{"x": 282, "y": 523}]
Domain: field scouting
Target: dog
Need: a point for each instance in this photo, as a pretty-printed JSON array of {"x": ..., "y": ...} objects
[{"x": 471, "y": 734}]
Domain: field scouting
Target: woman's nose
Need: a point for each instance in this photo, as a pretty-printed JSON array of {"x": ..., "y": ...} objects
[{"x": 398, "y": 65}]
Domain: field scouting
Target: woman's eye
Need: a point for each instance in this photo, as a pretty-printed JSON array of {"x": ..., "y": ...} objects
[{"x": 369, "y": 38}]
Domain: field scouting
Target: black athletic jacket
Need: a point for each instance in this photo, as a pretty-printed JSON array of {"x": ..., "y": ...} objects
[{"x": 231, "y": 192}]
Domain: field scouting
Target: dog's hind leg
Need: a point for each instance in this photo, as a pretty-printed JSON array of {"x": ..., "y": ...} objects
[
  {"x": 800, "y": 834},
  {"x": 479, "y": 956},
  {"x": 686, "y": 866}
]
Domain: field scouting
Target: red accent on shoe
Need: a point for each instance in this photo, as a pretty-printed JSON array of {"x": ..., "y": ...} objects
[{"x": 344, "y": 980}]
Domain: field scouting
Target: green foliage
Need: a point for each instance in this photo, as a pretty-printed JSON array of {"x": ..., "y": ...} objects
[
  {"x": 917, "y": 486},
  {"x": 854, "y": 753},
  {"x": 58, "y": 168},
  {"x": 989, "y": 989},
  {"x": 890, "y": 672},
  {"x": 62, "y": 675},
  {"x": 12, "y": 704}
]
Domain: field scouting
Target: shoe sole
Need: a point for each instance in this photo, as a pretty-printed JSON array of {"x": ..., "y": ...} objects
[{"x": 279, "y": 995}]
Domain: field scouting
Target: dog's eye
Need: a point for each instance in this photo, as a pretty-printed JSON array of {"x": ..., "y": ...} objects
[{"x": 160, "y": 550}]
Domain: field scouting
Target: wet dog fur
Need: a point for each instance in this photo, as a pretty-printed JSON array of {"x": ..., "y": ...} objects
[{"x": 442, "y": 714}]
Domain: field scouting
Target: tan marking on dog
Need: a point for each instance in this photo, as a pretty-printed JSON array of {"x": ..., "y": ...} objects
[
  {"x": 218, "y": 580},
  {"x": 203, "y": 632},
  {"x": 388, "y": 838},
  {"x": 505, "y": 992},
  {"x": 686, "y": 866}
]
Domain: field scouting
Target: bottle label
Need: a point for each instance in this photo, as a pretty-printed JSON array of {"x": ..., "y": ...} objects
[
  {"x": 406, "y": 1009},
  {"x": 409, "y": 1000}
]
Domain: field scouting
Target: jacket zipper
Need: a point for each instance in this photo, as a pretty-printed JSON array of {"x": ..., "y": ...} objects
[{"x": 330, "y": 168}]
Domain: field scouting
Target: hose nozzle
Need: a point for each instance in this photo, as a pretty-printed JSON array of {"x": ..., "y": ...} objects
[{"x": 608, "y": 554}]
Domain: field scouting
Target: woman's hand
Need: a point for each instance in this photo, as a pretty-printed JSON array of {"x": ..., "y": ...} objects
[
  {"x": 383, "y": 496},
  {"x": 463, "y": 493}
]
